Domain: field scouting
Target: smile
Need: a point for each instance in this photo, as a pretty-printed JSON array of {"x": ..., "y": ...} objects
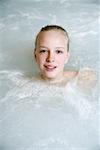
[{"x": 50, "y": 67}]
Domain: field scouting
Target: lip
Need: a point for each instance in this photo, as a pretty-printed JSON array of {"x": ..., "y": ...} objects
[{"x": 50, "y": 67}]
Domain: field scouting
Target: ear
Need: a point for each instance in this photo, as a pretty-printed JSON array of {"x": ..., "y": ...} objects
[{"x": 67, "y": 57}]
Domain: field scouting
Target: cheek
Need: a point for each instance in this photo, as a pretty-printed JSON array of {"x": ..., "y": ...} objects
[
  {"x": 40, "y": 59},
  {"x": 61, "y": 60},
  {"x": 66, "y": 59},
  {"x": 60, "y": 63}
]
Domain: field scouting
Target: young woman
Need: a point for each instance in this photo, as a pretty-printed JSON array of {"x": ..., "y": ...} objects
[{"x": 52, "y": 53}]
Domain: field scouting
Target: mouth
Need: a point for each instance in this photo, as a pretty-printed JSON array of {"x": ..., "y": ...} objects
[{"x": 50, "y": 67}]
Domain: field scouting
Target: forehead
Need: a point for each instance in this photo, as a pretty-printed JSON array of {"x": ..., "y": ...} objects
[{"x": 52, "y": 35}]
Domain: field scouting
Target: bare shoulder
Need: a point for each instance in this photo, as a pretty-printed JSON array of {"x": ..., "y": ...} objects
[
  {"x": 70, "y": 74},
  {"x": 86, "y": 78}
]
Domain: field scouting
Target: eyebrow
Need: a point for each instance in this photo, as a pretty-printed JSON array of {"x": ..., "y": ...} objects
[
  {"x": 43, "y": 47},
  {"x": 59, "y": 47},
  {"x": 55, "y": 47}
]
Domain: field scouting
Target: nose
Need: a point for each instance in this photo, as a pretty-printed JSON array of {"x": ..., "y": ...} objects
[{"x": 50, "y": 57}]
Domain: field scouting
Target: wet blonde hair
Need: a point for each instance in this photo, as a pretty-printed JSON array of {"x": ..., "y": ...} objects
[{"x": 53, "y": 27}]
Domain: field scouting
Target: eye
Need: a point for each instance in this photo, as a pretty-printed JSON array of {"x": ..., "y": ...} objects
[
  {"x": 59, "y": 51},
  {"x": 42, "y": 51}
]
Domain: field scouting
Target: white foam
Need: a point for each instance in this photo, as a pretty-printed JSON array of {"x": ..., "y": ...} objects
[
  {"x": 36, "y": 110},
  {"x": 14, "y": 76},
  {"x": 46, "y": 94}
]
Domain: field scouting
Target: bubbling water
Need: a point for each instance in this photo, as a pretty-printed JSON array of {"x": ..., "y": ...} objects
[{"x": 38, "y": 116}]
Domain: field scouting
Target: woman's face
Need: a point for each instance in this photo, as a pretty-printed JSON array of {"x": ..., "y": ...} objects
[{"x": 51, "y": 53}]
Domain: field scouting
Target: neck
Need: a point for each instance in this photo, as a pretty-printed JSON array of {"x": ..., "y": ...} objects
[{"x": 56, "y": 80}]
